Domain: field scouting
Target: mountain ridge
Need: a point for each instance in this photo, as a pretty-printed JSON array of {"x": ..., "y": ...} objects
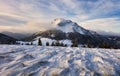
[
  {"x": 70, "y": 26},
  {"x": 5, "y": 39}
]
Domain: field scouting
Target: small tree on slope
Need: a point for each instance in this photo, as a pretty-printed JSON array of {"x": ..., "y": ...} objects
[{"x": 39, "y": 42}]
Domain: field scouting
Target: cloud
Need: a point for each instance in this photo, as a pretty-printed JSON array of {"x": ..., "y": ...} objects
[
  {"x": 37, "y": 14},
  {"x": 30, "y": 27},
  {"x": 10, "y": 20},
  {"x": 104, "y": 8},
  {"x": 103, "y": 24}
]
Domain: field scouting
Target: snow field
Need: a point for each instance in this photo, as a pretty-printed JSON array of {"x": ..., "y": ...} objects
[{"x": 26, "y": 60}]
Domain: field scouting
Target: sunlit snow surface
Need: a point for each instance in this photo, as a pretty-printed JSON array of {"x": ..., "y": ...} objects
[{"x": 58, "y": 61}]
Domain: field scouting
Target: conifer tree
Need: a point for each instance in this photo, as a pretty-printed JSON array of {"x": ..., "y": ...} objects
[
  {"x": 39, "y": 42},
  {"x": 61, "y": 44},
  {"x": 57, "y": 43},
  {"x": 52, "y": 44},
  {"x": 47, "y": 44},
  {"x": 75, "y": 43}
]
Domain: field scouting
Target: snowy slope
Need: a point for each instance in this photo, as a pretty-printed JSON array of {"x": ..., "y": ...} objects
[
  {"x": 69, "y": 26},
  {"x": 58, "y": 61}
]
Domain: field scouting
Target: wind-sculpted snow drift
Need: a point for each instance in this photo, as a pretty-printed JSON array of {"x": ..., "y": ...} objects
[{"x": 58, "y": 61}]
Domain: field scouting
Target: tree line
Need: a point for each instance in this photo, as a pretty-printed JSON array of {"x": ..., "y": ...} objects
[
  {"x": 76, "y": 44},
  {"x": 57, "y": 43}
]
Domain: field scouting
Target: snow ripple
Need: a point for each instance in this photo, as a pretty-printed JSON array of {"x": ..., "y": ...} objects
[{"x": 58, "y": 61}]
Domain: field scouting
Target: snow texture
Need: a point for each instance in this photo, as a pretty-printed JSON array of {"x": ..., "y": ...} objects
[{"x": 26, "y": 60}]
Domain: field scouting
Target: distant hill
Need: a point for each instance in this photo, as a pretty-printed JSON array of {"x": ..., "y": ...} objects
[
  {"x": 4, "y": 39},
  {"x": 16, "y": 35}
]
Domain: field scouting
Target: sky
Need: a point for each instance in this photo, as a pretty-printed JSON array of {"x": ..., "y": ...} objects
[{"x": 37, "y": 15}]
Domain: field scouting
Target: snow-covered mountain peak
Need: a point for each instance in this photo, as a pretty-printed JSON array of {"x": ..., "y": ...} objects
[{"x": 69, "y": 26}]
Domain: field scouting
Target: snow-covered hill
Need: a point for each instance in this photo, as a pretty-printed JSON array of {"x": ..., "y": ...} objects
[
  {"x": 58, "y": 61},
  {"x": 70, "y": 26}
]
